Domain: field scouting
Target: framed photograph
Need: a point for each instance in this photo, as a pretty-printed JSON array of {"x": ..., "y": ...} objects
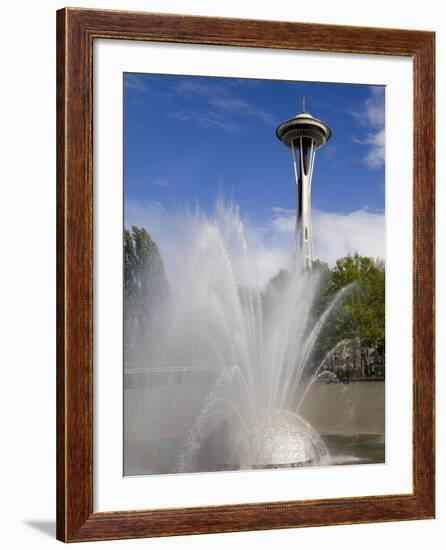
[{"x": 245, "y": 275}]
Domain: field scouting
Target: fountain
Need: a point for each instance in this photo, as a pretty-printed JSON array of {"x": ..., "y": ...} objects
[{"x": 258, "y": 340}]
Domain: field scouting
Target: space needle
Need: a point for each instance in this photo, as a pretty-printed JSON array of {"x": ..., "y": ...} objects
[{"x": 303, "y": 134}]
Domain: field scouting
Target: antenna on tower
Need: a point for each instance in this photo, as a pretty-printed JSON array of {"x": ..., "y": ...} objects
[{"x": 303, "y": 104}]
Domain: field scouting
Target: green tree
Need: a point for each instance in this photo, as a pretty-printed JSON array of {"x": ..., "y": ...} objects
[
  {"x": 361, "y": 312},
  {"x": 359, "y": 316},
  {"x": 146, "y": 292}
]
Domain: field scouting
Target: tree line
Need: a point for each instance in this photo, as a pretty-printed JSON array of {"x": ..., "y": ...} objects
[{"x": 358, "y": 320}]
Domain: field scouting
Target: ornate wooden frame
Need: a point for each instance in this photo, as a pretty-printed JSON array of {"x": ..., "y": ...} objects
[{"x": 76, "y": 31}]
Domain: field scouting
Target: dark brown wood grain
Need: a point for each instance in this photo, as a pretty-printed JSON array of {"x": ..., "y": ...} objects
[{"x": 76, "y": 31}]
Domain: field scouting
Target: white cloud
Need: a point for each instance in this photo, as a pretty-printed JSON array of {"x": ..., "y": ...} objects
[
  {"x": 375, "y": 107},
  {"x": 372, "y": 112},
  {"x": 336, "y": 234},
  {"x": 146, "y": 214},
  {"x": 136, "y": 83},
  {"x": 284, "y": 220},
  {"x": 372, "y": 116},
  {"x": 208, "y": 119},
  {"x": 377, "y": 152},
  {"x": 160, "y": 182},
  {"x": 220, "y": 107},
  {"x": 236, "y": 105},
  {"x": 266, "y": 246}
]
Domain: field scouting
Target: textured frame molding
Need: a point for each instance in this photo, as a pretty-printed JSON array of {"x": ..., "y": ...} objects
[{"x": 76, "y": 31}]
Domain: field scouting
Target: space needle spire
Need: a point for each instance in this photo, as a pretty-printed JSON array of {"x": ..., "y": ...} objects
[{"x": 303, "y": 134}]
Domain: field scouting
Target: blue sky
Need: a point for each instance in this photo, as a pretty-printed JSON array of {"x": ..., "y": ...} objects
[{"x": 187, "y": 139}]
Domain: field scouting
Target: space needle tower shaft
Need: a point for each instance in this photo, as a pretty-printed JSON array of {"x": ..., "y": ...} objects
[{"x": 303, "y": 134}]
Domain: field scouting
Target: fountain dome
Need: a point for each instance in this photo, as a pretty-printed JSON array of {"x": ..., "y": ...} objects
[
  {"x": 282, "y": 438},
  {"x": 274, "y": 439}
]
